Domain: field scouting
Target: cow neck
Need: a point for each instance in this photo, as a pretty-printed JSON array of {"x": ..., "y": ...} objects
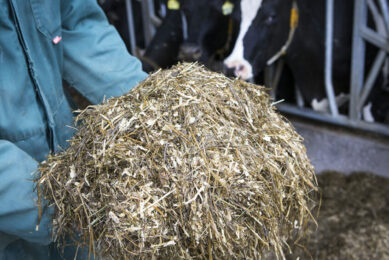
[
  {"x": 227, "y": 45},
  {"x": 294, "y": 19}
]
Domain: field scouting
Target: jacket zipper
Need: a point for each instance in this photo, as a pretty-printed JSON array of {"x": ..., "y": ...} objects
[{"x": 31, "y": 71}]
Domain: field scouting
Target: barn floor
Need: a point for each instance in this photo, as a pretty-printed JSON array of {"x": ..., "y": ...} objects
[
  {"x": 353, "y": 221},
  {"x": 343, "y": 150}
]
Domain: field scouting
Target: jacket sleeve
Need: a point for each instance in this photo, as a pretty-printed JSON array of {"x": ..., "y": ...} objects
[
  {"x": 18, "y": 200},
  {"x": 96, "y": 61}
]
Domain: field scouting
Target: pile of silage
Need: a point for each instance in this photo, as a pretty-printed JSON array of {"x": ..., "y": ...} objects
[
  {"x": 353, "y": 222},
  {"x": 189, "y": 164}
]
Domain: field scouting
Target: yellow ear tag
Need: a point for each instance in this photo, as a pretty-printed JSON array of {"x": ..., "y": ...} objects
[
  {"x": 227, "y": 8},
  {"x": 294, "y": 18},
  {"x": 173, "y": 5}
]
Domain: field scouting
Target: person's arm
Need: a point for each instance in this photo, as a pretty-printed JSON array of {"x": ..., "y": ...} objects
[
  {"x": 96, "y": 61},
  {"x": 18, "y": 200}
]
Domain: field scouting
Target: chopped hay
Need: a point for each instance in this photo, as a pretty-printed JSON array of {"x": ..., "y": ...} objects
[{"x": 189, "y": 164}]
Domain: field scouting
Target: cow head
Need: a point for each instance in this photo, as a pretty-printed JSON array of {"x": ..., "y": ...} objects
[
  {"x": 264, "y": 29},
  {"x": 207, "y": 28}
]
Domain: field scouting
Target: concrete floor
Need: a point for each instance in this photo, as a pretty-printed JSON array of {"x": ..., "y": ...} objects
[{"x": 343, "y": 150}]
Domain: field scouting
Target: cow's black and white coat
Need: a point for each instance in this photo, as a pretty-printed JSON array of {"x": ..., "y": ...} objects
[{"x": 264, "y": 30}]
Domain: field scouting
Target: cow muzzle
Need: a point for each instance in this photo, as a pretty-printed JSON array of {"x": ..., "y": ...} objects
[
  {"x": 190, "y": 52},
  {"x": 241, "y": 69}
]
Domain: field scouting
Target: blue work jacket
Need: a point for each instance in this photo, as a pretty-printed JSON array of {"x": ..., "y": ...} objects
[{"x": 41, "y": 43}]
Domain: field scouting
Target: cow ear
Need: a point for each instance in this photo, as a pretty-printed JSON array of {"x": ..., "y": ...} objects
[
  {"x": 227, "y": 7},
  {"x": 173, "y": 5}
]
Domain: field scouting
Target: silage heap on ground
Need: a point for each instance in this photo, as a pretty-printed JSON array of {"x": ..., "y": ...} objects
[
  {"x": 353, "y": 223},
  {"x": 188, "y": 164}
]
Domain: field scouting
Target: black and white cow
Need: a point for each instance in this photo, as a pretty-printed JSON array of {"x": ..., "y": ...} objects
[
  {"x": 188, "y": 33},
  {"x": 208, "y": 28},
  {"x": 265, "y": 28},
  {"x": 194, "y": 30},
  {"x": 162, "y": 51}
]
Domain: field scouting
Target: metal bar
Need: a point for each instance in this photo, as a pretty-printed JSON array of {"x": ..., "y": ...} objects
[
  {"x": 155, "y": 21},
  {"x": 162, "y": 11},
  {"x": 273, "y": 75},
  {"x": 184, "y": 26},
  {"x": 147, "y": 26},
  {"x": 299, "y": 97},
  {"x": 268, "y": 80},
  {"x": 385, "y": 13},
  {"x": 131, "y": 28},
  {"x": 277, "y": 75},
  {"x": 340, "y": 121},
  {"x": 328, "y": 57},
  {"x": 357, "y": 59},
  {"x": 378, "y": 62},
  {"x": 375, "y": 38},
  {"x": 379, "y": 21}
]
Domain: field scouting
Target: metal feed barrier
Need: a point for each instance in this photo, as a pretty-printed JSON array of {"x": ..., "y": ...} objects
[
  {"x": 150, "y": 23},
  {"x": 360, "y": 87}
]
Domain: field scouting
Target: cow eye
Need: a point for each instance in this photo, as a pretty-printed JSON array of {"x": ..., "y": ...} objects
[{"x": 270, "y": 19}]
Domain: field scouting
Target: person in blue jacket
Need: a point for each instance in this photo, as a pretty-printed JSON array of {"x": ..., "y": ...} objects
[{"x": 41, "y": 43}]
